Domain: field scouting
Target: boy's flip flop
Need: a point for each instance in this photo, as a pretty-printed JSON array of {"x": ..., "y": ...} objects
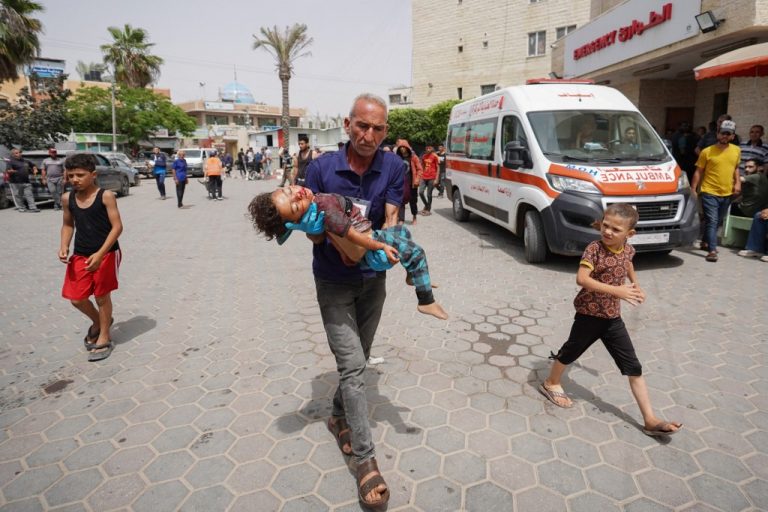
[
  {"x": 101, "y": 354},
  {"x": 663, "y": 429},
  {"x": 553, "y": 395},
  {"x": 89, "y": 345}
]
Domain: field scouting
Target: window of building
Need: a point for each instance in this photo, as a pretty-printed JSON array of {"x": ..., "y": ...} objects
[
  {"x": 535, "y": 1},
  {"x": 485, "y": 89},
  {"x": 395, "y": 99},
  {"x": 485, "y": 44},
  {"x": 294, "y": 122},
  {"x": 214, "y": 119},
  {"x": 460, "y": 92},
  {"x": 461, "y": 48},
  {"x": 537, "y": 43},
  {"x": 563, "y": 31}
]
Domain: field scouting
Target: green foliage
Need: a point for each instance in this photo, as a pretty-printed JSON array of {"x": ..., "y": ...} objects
[
  {"x": 139, "y": 112},
  {"x": 420, "y": 126},
  {"x": 36, "y": 124},
  {"x": 19, "y": 42},
  {"x": 129, "y": 57}
]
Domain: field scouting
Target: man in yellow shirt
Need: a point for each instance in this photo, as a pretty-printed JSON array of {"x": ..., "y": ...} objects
[
  {"x": 717, "y": 170},
  {"x": 212, "y": 171}
]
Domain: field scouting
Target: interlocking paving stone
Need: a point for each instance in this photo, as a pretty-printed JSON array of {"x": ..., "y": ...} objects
[
  {"x": 164, "y": 496},
  {"x": 561, "y": 477},
  {"x": 718, "y": 493},
  {"x": 212, "y": 498},
  {"x": 591, "y": 502},
  {"x": 73, "y": 487},
  {"x": 664, "y": 488},
  {"x": 168, "y": 466},
  {"x": 437, "y": 494}
]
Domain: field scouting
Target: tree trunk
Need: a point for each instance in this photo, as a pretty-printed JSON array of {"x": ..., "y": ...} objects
[{"x": 286, "y": 117}]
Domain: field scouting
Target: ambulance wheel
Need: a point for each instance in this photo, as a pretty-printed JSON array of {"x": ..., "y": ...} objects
[
  {"x": 459, "y": 213},
  {"x": 534, "y": 239}
]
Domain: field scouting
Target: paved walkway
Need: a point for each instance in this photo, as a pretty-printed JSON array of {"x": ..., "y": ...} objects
[{"x": 215, "y": 396}]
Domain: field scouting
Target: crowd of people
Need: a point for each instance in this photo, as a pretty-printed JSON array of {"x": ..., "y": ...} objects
[{"x": 728, "y": 177}]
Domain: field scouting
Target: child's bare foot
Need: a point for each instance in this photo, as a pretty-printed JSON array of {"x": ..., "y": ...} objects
[
  {"x": 657, "y": 427},
  {"x": 433, "y": 309}
]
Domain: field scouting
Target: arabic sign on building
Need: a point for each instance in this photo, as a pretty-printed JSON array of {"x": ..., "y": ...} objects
[
  {"x": 219, "y": 105},
  {"x": 45, "y": 68},
  {"x": 632, "y": 28}
]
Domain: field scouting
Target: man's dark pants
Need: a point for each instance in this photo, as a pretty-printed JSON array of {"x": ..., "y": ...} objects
[{"x": 351, "y": 311}]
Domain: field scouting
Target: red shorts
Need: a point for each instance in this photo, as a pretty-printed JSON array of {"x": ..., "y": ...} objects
[{"x": 79, "y": 284}]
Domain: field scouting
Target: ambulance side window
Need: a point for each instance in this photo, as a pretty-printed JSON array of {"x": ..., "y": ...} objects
[
  {"x": 512, "y": 129},
  {"x": 457, "y": 138},
  {"x": 481, "y": 139}
]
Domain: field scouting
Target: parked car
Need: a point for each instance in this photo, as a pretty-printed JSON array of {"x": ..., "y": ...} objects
[
  {"x": 107, "y": 177},
  {"x": 127, "y": 169},
  {"x": 143, "y": 163}
]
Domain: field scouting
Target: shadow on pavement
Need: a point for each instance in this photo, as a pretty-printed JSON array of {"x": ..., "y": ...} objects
[
  {"x": 319, "y": 406},
  {"x": 580, "y": 394},
  {"x": 493, "y": 236},
  {"x": 132, "y": 328}
]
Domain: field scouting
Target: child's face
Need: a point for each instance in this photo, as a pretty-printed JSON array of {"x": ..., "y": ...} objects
[
  {"x": 292, "y": 201},
  {"x": 615, "y": 230},
  {"x": 81, "y": 179}
]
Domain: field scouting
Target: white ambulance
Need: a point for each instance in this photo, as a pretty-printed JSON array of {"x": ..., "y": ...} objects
[{"x": 544, "y": 159}]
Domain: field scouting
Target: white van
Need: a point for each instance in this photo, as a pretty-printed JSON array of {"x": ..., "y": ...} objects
[
  {"x": 195, "y": 158},
  {"x": 544, "y": 159}
]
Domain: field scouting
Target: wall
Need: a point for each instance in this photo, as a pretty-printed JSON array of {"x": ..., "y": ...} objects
[
  {"x": 705, "y": 99},
  {"x": 439, "y": 26},
  {"x": 657, "y": 95},
  {"x": 748, "y": 103}
]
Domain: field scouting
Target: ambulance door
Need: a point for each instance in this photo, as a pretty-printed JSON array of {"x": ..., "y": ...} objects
[
  {"x": 512, "y": 183},
  {"x": 480, "y": 195}
]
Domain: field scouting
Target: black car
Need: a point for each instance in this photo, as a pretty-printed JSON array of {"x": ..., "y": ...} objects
[{"x": 107, "y": 177}]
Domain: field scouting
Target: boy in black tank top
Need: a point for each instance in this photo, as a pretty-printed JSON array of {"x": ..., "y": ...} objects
[{"x": 91, "y": 215}]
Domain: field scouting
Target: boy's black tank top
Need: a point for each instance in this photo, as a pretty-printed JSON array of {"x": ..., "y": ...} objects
[{"x": 92, "y": 225}]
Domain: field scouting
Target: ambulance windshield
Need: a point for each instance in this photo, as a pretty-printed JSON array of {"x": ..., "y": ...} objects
[{"x": 597, "y": 136}]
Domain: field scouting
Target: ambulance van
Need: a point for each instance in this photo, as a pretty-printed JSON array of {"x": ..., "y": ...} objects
[{"x": 546, "y": 158}]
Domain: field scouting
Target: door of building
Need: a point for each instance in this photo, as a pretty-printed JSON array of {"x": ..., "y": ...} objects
[{"x": 677, "y": 115}]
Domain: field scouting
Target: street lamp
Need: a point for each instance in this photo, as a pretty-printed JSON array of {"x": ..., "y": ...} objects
[{"x": 114, "y": 117}]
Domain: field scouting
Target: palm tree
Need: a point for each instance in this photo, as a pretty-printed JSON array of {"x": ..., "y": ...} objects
[
  {"x": 129, "y": 56},
  {"x": 19, "y": 43},
  {"x": 285, "y": 47}
]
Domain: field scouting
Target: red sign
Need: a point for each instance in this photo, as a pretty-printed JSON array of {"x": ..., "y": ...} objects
[{"x": 636, "y": 28}]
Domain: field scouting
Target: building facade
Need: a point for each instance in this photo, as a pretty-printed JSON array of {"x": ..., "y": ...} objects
[
  {"x": 648, "y": 49},
  {"x": 465, "y": 48}
]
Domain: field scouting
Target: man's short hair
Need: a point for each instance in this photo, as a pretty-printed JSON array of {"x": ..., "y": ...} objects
[
  {"x": 80, "y": 161},
  {"x": 303, "y": 138},
  {"x": 370, "y": 97}
]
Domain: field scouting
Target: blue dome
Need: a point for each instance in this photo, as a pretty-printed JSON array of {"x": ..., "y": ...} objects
[{"x": 237, "y": 92}]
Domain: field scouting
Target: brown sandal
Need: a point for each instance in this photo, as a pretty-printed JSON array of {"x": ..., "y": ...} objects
[
  {"x": 341, "y": 432},
  {"x": 364, "y": 469}
]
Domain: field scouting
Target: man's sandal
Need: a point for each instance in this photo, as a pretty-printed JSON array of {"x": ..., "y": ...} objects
[
  {"x": 101, "y": 354},
  {"x": 364, "y": 469},
  {"x": 89, "y": 345},
  {"x": 341, "y": 432}
]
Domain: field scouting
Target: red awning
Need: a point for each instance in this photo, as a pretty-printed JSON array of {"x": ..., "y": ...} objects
[{"x": 743, "y": 62}]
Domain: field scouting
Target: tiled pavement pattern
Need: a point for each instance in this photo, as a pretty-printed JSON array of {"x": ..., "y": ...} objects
[{"x": 215, "y": 396}]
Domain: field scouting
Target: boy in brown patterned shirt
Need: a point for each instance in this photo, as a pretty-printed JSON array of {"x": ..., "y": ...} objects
[{"x": 603, "y": 270}]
